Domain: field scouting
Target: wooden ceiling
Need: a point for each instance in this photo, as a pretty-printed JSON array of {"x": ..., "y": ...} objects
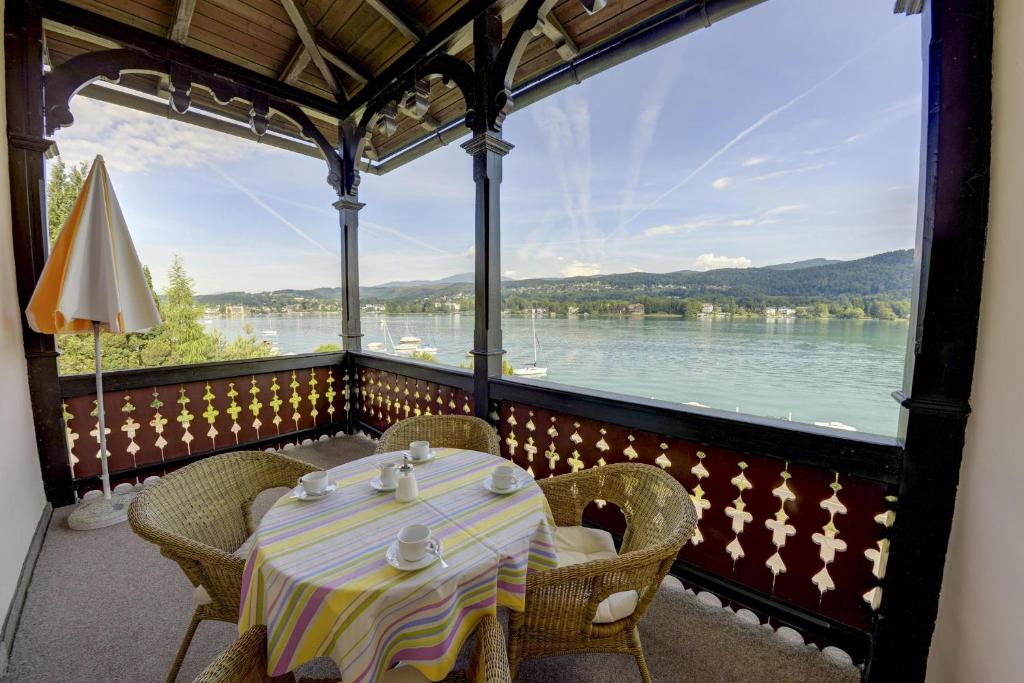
[{"x": 353, "y": 42}]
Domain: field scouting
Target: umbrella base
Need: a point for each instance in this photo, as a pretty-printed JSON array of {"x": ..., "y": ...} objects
[{"x": 100, "y": 512}]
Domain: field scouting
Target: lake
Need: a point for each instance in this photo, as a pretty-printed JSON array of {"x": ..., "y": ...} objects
[{"x": 804, "y": 370}]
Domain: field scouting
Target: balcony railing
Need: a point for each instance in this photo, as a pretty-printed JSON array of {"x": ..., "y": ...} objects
[
  {"x": 160, "y": 419},
  {"x": 794, "y": 520}
]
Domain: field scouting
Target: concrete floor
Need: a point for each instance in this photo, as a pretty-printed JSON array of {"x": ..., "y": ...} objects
[{"x": 106, "y": 606}]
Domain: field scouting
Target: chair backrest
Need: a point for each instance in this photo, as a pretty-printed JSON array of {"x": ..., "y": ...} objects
[
  {"x": 200, "y": 514},
  {"x": 443, "y": 431},
  {"x": 656, "y": 507},
  {"x": 244, "y": 662}
]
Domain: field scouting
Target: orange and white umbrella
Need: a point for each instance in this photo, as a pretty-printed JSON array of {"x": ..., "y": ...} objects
[{"x": 93, "y": 280}]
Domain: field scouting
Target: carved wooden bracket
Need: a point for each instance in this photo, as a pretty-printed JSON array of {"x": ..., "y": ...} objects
[{"x": 65, "y": 81}]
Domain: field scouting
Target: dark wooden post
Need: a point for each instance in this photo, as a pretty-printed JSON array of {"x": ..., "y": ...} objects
[
  {"x": 351, "y": 329},
  {"x": 23, "y": 47},
  {"x": 950, "y": 253},
  {"x": 487, "y": 149}
]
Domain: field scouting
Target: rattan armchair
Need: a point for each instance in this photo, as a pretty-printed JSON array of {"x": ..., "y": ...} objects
[
  {"x": 200, "y": 515},
  {"x": 488, "y": 661},
  {"x": 561, "y": 603},
  {"x": 244, "y": 662},
  {"x": 443, "y": 431}
]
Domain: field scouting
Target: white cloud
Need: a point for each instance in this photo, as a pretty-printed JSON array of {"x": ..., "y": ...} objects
[
  {"x": 711, "y": 262},
  {"x": 721, "y": 183},
  {"x": 470, "y": 251},
  {"x": 739, "y": 222},
  {"x": 674, "y": 229},
  {"x": 754, "y": 161},
  {"x": 577, "y": 268},
  {"x": 133, "y": 142},
  {"x": 509, "y": 273},
  {"x": 784, "y": 208}
]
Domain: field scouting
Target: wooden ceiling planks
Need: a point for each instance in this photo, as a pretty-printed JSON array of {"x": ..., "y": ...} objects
[{"x": 258, "y": 35}]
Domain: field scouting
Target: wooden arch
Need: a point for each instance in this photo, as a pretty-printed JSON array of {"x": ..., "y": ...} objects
[{"x": 66, "y": 80}]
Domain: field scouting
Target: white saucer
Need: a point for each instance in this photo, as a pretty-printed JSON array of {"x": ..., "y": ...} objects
[
  {"x": 378, "y": 485},
  {"x": 489, "y": 485},
  {"x": 394, "y": 558},
  {"x": 414, "y": 461},
  {"x": 299, "y": 493}
]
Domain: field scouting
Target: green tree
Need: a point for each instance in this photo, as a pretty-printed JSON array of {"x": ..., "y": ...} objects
[
  {"x": 62, "y": 191},
  {"x": 327, "y": 348}
]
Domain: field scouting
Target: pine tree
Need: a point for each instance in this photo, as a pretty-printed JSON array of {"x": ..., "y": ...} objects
[{"x": 61, "y": 192}]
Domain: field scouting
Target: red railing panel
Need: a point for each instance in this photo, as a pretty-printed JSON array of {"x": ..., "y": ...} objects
[
  {"x": 152, "y": 425},
  {"x": 386, "y": 397},
  {"x": 809, "y": 536}
]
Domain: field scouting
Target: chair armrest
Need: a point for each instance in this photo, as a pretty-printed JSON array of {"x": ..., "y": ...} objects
[{"x": 488, "y": 661}]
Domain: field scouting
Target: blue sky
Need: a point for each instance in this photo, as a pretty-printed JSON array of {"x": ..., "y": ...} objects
[{"x": 789, "y": 131}]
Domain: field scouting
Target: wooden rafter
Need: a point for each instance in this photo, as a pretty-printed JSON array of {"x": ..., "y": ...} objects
[
  {"x": 551, "y": 27},
  {"x": 183, "y": 10},
  {"x": 403, "y": 21},
  {"x": 407, "y": 25},
  {"x": 307, "y": 36}
]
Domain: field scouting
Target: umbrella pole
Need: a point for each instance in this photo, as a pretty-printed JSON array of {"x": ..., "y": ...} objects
[
  {"x": 101, "y": 418},
  {"x": 100, "y": 511}
]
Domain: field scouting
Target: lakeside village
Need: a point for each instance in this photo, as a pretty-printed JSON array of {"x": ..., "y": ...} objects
[{"x": 459, "y": 304}]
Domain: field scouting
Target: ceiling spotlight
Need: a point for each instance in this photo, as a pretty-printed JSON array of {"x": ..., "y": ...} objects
[{"x": 593, "y": 6}]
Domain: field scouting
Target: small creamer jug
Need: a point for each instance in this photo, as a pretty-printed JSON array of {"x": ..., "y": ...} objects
[{"x": 407, "y": 490}]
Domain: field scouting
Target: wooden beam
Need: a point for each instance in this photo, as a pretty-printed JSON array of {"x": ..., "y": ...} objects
[
  {"x": 143, "y": 41},
  {"x": 346, "y": 64},
  {"x": 463, "y": 38},
  {"x": 297, "y": 63},
  {"x": 307, "y": 35},
  {"x": 551, "y": 27},
  {"x": 183, "y": 10},
  {"x": 415, "y": 55},
  {"x": 407, "y": 25}
]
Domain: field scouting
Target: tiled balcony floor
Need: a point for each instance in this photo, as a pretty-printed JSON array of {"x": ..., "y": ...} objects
[{"x": 106, "y": 606}]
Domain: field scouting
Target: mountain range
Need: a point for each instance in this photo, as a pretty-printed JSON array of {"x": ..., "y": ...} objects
[{"x": 887, "y": 275}]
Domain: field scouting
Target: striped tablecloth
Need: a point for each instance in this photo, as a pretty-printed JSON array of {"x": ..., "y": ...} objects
[{"x": 317, "y": 578}]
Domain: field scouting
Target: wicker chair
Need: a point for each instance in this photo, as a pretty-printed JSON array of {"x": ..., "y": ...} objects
[
  {"x": 488, "y": 661},
  {"x": 200, "y": 515},
  {"x": 445, "y": 431},
  {"x": 562, "y": 603},
  {"x": 244, "y": 662}
]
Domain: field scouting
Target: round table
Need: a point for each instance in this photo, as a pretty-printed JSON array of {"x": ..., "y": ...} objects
[{"x": 317, "y": 576}]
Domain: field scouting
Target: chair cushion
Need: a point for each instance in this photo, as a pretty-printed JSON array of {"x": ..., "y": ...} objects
[
  {"x": 199, "y": 596},
  {"x": 576, "y": 545}
]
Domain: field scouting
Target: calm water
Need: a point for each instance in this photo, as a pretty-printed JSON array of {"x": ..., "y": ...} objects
[{"x": 812, "y": 370}]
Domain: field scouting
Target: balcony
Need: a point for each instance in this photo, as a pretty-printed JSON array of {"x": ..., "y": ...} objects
[{"x": 805, "y": 535}]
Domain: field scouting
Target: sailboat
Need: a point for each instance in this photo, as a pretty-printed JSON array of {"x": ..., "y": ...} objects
[{"x": 531, "y": 369}]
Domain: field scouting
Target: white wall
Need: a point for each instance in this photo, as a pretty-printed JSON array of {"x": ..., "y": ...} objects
[
  {"x": 980, "y": 632},
  {"x": 21, "y": 487}
]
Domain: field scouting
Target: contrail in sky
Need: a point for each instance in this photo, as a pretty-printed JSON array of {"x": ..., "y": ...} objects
[
  {"x": 746, "y": 132},
  {"x": 269, "y": 209},
  {"x": 369, "y": 225}
]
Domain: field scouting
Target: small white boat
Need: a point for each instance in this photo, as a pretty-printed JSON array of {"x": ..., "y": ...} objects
[
  {"x": 377, "y": 347},
  {"x": 531, "y": 369},
  {"x": 408, "y": 343},
  {"x": 268, "y": 333},
  {"x": 836, "y": 425}
]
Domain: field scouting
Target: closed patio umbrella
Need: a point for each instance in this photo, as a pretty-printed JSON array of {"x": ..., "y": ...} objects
[{"x": 93, "y": 281}]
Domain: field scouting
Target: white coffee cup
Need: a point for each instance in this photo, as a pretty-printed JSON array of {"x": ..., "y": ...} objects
[
  {"x": 388, "y": 474},
  {"x": 503, "y": 477},
  {"x": 414, "y": 541},
  {"x": 419, "y": 450},
  {"x": 314, "y": 483}
]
